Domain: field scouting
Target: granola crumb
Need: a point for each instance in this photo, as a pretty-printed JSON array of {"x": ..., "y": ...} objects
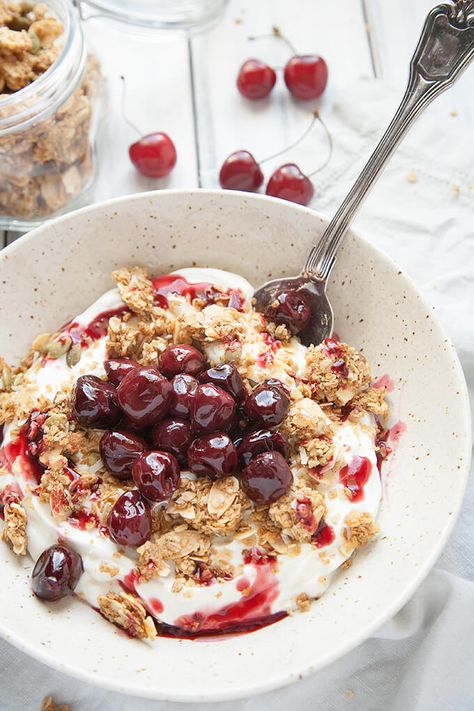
[
  {"x": 360, "y": 528},
  {"x": 14, "y": 530},
  {"x": 303, "y": 602},
  {"x": 412, "y": 177},
  {"x": 127, "y": 612},
  {"x": 50, "y": 705}
]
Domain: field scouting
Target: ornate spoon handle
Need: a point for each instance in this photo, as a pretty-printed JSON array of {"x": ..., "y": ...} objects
[{"x": 445, "y": 48}]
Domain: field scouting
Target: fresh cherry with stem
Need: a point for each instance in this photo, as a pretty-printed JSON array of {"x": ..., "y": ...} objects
[
  {"x": 240, "y": 170},
  {"x": 288, "y": 182},
  {"x": 305, "y": 75},
  {"x": 153, "y": 155}
]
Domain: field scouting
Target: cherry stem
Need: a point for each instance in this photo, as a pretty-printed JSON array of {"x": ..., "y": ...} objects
[
  {"x": 276, "y": 32},
  {"x": 123, "y": 106},
  {"x": 316, "y": 117},
  {"x": 330, "y": 147}
]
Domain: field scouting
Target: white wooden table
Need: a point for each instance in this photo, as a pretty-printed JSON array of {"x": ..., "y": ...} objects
[{"x": 186, "y": 86}]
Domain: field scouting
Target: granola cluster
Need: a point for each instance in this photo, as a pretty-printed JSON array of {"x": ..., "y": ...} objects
[
  {"x": 190, "y": 529},
  {"x": 42, "y": 167}
]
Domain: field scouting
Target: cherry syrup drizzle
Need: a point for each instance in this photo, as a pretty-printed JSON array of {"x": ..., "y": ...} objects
[
  {"x": 176, "y": 284},
  {"x": 94, "y": 330},
  {"x": 355, "y": 475},
  {"x": 324, "y": 536}
]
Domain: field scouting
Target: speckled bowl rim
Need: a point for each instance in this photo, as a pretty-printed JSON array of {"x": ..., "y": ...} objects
[{"x": 465, "y": 449}]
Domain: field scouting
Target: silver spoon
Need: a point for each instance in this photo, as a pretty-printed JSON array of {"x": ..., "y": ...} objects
[{"x": 444, "y": 50}]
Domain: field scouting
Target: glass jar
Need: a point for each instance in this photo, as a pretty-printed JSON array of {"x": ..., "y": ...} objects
[
  {"x": 48, "y": 127},
  {"x": 157, "y": 14}
]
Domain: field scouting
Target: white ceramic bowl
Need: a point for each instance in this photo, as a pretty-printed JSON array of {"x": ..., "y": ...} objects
[{"x": 54, "y": 272}]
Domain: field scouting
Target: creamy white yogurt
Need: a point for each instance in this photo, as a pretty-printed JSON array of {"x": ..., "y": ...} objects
[{"x": 309, "y": 571}]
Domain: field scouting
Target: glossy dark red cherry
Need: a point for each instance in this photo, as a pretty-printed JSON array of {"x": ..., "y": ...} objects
[
  {"x": 181, "y": 359},
  {"x": 289, "y": 183},
  {"x": 174, "y": 436},
  {"x": 260, "y": 441},
  {"x": 156, "y": 475},
  {"x": 183, "y": 388},
  {"x": 266, "y": 478},
  {"x": 154, "y": 155},
  {"x": 119, "y": 449},
  {"x": 56, "y": 573},
  {"x": 212, "y": 455},
  {"x": 144, "y": 396},
  {"x": 240, "y": 171},
  {"x": 129, "y": 520},
  {"x": 213, "y": 409},
  {"x": 255, "y": 79},
  {"x": 306, "y": 76},
  {"x": 268, "y": 404},
  {"x": 118, "y": 368},
  {"x": 290, "y": 308},
  {"x": 95, "y": 402},
  {"x": 226, "y": 377}
]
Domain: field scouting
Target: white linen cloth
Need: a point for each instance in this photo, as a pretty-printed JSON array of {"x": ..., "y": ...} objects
[{"x": 421, "y": 213}]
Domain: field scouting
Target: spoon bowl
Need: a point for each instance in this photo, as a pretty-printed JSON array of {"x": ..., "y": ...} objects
[{"x": 321, "y": 323}]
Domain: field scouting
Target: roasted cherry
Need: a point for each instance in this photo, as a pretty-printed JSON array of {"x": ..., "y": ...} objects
[
  {"x": 129, "y": 520},
  {"x": 213, "y": 455},
  {"x": 118, "y": 368},
  {"x": 119, "y": 449},
  {"x": 261, "y": 441},
  {"x": 56, "y": 573},
  {"x": 213, "y": 409},
  {"x": 95, "y": 402},
  {"x": 268, "y": 403},
  {"x": 172, "y": 435},
  {"x": 156, "y": 474},
  {"x": 266, "y": 477},
  {"x": 255, "y": 79},
  {"x": 181, "y": 359},
  {"x": 290, "y": 308},
  {"x": 240, "y": 171},
  {"x": 183, "y": 388},
  {"x": 144, "y": 396},
  {"x": 226, "y": 377}
]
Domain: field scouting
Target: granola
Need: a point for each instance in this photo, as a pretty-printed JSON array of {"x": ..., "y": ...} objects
[
  {"x": 172, "y": 537},
  {"x": 42, "y": 167}
]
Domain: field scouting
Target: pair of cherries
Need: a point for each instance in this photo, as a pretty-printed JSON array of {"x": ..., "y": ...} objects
[
  {"x": 305, "y": 75},
  {"x": 241, "y": 171}
]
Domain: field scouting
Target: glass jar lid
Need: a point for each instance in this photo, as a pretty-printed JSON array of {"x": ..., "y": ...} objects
[{"x": 157, "y": 14}]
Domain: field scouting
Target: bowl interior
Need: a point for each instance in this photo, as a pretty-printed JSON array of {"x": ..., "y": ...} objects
[{"x": 54, "y": 272}]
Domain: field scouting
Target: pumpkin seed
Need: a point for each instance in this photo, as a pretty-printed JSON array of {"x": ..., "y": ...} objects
[
  {"x": 19, "y": 23},
  {"x": 7, "y": 377},
  {"x": 41, "y": 342},
  {"x": 74, "y": 355},
  {"x": 58, "y": 348},
  {"x": 36, "y": 42}
]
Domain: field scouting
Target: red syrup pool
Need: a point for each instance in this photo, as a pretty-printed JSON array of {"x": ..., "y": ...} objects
[
  {"x": 355, "y": 475},
  {"x": 252, "y": 611},
  {"x": 324, "y": 536},
  {"x": 176, "y": 284},
  {"x": 20, "y": 448},
  {"x": 97, "y": 328},
  {"x": 385, "y": 381}
]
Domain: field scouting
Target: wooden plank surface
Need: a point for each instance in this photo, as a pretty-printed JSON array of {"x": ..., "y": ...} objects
[
  {"x": 225, "y": 120},
  {"x": 188, "y": 86}
]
